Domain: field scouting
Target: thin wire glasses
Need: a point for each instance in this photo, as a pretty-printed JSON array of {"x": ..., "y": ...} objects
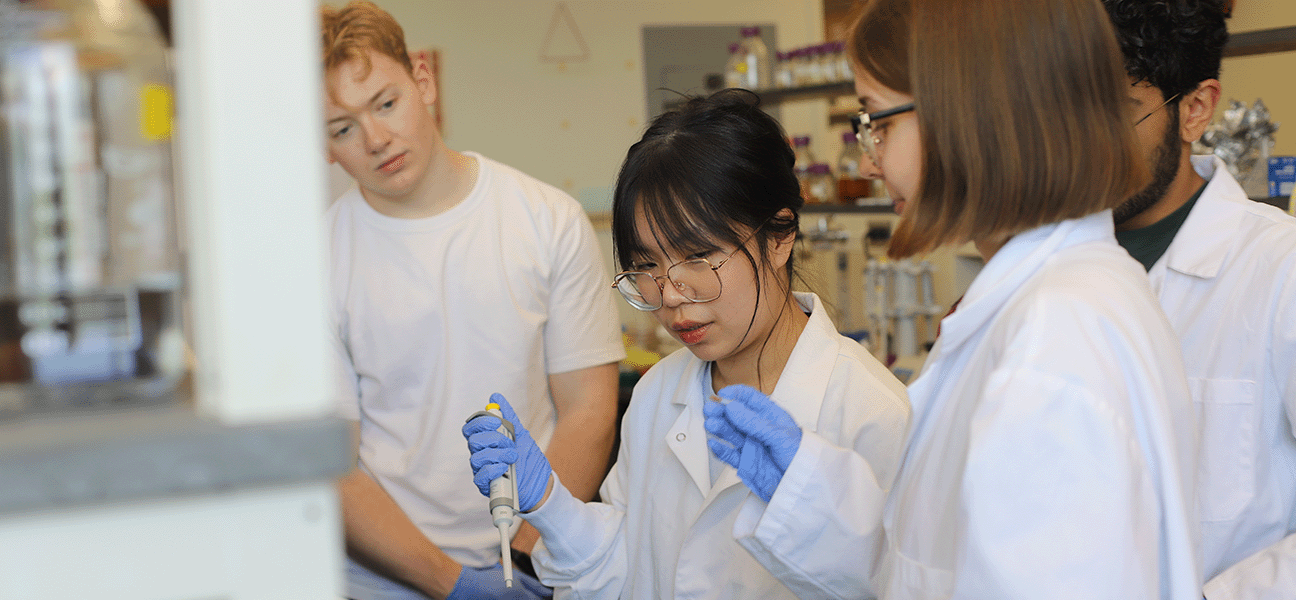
[
  {"x": 696, "y": 279},
  {"x": 862, "y": 123},
  {"x": 1163, "y": 104}
]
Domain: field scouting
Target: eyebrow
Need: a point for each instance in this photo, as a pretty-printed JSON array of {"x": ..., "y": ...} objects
[{"x": 370, "y": 102}]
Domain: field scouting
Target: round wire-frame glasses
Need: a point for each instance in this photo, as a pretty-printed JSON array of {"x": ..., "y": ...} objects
[
  {"x": 862, "y": 124},
  {"x": 696, "y": 279}
]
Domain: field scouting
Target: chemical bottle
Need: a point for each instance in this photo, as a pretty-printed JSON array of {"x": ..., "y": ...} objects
[
  {"x": 734, "y": 68},
  {"x": 783, "y": 70},
  {"x": 821, "y": 187},
  {"x": 804, "y": 158},
  {"x": 757, "y": 59},
  {"x": 90, "y": 280},
  {"x": 851, "y": 185}
]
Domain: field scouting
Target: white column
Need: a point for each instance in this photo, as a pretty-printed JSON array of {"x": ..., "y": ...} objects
[{"x": 250, "y": 137}]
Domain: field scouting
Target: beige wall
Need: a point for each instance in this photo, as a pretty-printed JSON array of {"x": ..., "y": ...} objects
[
  {"x": 1271, "y": 77},
  {"x": 570, "y": 124}
]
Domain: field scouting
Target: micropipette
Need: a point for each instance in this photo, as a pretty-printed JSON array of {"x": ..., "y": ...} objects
[{"x": 503, "y": 495}]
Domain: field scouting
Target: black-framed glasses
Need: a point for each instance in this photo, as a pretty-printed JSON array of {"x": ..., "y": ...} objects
[
  {"x": 696, "y": 279},
  {"x": 1163, "y": 105},
  {"x": 862, "y": 124}
]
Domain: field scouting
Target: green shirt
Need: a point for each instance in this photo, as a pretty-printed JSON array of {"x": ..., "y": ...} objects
[{"x": 1147, "y": 244}]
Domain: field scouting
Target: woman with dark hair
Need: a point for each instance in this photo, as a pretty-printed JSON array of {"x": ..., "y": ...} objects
[
  {"x": 1052, "y": 454},
  {"x": 704, "y": 219}
]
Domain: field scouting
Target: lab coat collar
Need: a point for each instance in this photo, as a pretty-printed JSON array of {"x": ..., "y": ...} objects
[
  {"x": 1204, "y": 240},
  {"x": 800, "y": 391},
  {"x": 1009, "y": 268}
]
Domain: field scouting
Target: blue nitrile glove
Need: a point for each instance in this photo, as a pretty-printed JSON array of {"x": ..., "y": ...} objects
[
  {"x": 487, "y": 583},
  {"x": 492, "y": 453},
  {"x": 754, "y": 435}
]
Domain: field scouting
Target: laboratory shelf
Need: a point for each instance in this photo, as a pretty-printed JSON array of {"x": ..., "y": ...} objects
[{"x": 806, "y": 92}]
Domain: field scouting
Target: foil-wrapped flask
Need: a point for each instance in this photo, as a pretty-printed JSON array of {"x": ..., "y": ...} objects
[{"x": 90, "y": 269}]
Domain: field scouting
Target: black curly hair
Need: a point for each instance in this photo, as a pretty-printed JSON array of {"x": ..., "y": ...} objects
[{"x": 1171, "y": 44}]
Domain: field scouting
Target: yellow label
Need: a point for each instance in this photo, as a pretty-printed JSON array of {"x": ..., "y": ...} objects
[
  {"x": 155, "y": 112},
  {"x": 741, "y": 67}
]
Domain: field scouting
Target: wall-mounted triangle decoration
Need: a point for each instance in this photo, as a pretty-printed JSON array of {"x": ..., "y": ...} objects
[{"x": 563, "y": 42}]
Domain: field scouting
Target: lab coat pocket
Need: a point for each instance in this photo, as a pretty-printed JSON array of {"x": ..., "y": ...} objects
[
  {"x": 913, "y": 579},
  {"x": 1229, "y": 421}
]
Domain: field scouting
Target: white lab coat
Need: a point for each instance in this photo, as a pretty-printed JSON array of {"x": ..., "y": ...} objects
[
  {"x": 1228, "y": 284},
  {"x": 664, "y": 531},
  {"x": 1048, "y": 457}
]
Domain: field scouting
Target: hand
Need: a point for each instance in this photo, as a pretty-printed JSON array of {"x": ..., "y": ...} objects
[
  {"x": 488, "y": 584},
  {"x": 492, "y": 453},
  {"x": 754, "y": 435}
]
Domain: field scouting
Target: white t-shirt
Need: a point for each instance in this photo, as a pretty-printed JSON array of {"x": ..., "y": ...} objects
[{"x": 431, "y": 316}]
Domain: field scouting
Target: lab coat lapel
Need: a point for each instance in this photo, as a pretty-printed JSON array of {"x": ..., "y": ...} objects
[
  {"x": 801, "y": 386},
  {"x": 686, "y": 438},
  {"x": 1207, "y": 235}
]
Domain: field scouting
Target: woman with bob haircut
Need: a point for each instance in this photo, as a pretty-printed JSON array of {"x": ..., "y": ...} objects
[
  {"x": 704, "y": 221},
  {"x": 1052, "y": 453}
]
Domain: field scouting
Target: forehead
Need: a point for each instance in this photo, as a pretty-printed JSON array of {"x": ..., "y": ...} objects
[
  {"x": 352, "y": 83},
  {"x": 657, "y": 240},
  {"x": 874, "y": 96}
]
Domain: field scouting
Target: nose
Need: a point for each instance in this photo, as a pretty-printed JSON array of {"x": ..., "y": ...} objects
[
  {"x": 377, "y": 136},
  {"x": 671, "y": 296},
  {"x": 869, "y": 169}
]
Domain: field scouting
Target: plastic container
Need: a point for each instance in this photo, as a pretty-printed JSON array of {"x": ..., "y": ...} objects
[
  {"x": 735, "y": 69},
  {"x": 757, "y": 59},
  {"x": 844, "y": 71},
  {"x": 804, "y": 158},
  {"x": 90, "y": 276},
  {"x": 820, "y": 187},
  {"x": 783, "y": 70}
]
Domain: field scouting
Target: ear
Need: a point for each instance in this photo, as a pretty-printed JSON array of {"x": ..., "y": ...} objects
[
  {"x": 782, "y": 249},
  {"x": 424, "y": 78},
  {"x": 1197, "y": 108}
]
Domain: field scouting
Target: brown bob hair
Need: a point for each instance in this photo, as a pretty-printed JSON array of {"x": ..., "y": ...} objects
[
  {"x": 359, "y": 26},
  {"x": 1022, "y": 110}
]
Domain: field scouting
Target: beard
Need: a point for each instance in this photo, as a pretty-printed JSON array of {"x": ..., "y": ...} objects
[{"x": 1165, "y": 167}]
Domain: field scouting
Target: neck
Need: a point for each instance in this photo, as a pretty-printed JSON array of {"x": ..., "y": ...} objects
[
  {"x": 1185, "y": 184},
  {"x": 760, "y": 364},
  {"x": 449, "y": 179}
]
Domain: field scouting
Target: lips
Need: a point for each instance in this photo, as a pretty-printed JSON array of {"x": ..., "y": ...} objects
[
  {"x": 690, "y": 332},
  {"x": 393, "y": 164}
]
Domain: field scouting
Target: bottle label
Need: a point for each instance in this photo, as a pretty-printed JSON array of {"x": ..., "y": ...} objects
[{"x": 155, "y": 112}]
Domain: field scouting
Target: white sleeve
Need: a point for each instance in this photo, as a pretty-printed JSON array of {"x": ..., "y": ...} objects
[
  {"x": 804, "y": 537},
  {"x": 582, "y": 547},
  {"x": 1271, "y": 572},
  {"x": 583, "y": 328}
]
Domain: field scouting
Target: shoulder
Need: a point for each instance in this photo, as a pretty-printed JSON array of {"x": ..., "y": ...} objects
[
  {"x": 342, "y": 211},
  {"x": 1083, "y": 306},
  {"x": 859, "y": 370},
  {"x": 512, "y": 186}
]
